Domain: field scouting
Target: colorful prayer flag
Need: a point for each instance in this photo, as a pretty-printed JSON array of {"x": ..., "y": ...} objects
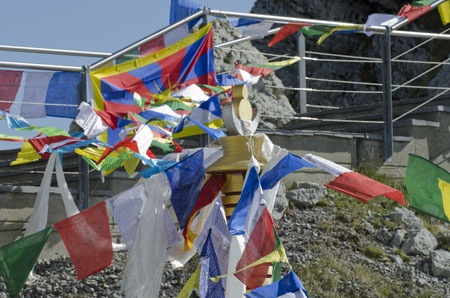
[
  {"x": 286, "y": 31},
  {"x": 207, "y": 194},
  {"x": 265, "y": 69},
  {"x": 189, "y": 61},
  {"x": 186, "y": 179},
  {"x": 289, "y": 286},
  {"x": 354, "y": 184},
  {"x": 18, "y": 258},
  {"x": 209, "y": 268},
  {"x": 191, "y": 288},
  {"x": 428, "y": 187},
  {"x": 9, "y": 85},
  {"x": 50, "y": 94},
  {"x": 413, "y": 12},
  {"x": 87, "y": 238},
  {"x": 145, "y": 265},
  {"x": 180, "y": 9},
  {"x": 383, "y": 20},
  {"x": 261, "y": 243},
  {"x": 251, "y": 196},
  {"x": 444, "y": 12},
  {"x": 207, "y": 115}
]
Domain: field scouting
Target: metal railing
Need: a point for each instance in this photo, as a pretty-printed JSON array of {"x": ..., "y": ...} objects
[{"x": 303, "y": 79}]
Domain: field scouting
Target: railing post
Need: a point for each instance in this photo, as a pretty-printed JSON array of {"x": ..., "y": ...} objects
[
  {"x": 386, "y": 73},
  {"x": 301, "y": 73},
  {"x": 83, "y": 167}
]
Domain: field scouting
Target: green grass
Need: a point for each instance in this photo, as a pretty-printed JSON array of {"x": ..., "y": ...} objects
[{"x": 333, "y": 277}]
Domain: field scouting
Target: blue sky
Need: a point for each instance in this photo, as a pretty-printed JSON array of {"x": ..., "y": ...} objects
[{"x": 88, "y": 25}]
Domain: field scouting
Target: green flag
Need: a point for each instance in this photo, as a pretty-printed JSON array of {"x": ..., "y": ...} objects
[
  {"x": 316, "y": 30},
  {"x": 18, "y": 258},
  {"x": 276, "y": 266},
  {"x": 421, "y": 3},
  {"x": 428, "y": 187}
]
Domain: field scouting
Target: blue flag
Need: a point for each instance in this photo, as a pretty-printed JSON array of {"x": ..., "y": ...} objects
[
  {"x": 290, "y": 284},
  {"x": 186, "y": 180},
  {"x": 180, "y": 9},
  {"x": 210, "y": 268}
]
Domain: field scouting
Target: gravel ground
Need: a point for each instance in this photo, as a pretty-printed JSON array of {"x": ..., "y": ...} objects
[{"x": 309, "y": 236}]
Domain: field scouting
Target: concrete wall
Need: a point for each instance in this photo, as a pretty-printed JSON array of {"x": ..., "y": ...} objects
[{"x": 15, "y": 212}]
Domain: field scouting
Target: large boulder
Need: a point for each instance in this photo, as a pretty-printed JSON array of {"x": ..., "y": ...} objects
[
  {"x": 306, "y": 194},
  {"x": 281, "y": 202},
  {"x": 408, "y": 217},
  {"x": 440, "y": 263},
  {"x": 421, "y": 242}
]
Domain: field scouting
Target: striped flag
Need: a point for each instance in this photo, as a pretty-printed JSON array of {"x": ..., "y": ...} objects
[
  {"x": 189, "y": 61},
  {"x": 354, "y": 184}
]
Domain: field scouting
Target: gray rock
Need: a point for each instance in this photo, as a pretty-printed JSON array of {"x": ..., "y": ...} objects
[
  {"x": 396, "y": 259},
  {"x": 281, "y": 202},
  {"x": 273, "y": 104},
  {"x": 398, "y": 238},
  {"x": 407, "y": 217},
  {"x": 369, "y": 228},
  {"x": 419, "y": 243},
  {"x": 306, "y": 194},
  {"x": 384, "y": 236},
  {"x": 440, "y": 263}
]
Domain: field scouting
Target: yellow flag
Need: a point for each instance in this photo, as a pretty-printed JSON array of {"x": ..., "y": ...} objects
[
  {"x": 190, "y": 285},
  {"x": 130, "y": 165},
  {"x": 444, "y": 11},
  {"x": 276, "y": 256},
  {"x": 338, "y": 28},
  {"x": 26, "y": 154},
  {"x": 445, "y": 190}
]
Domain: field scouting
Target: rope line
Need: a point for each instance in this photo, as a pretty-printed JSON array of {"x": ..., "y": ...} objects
[
  {"x": 325, "y": 90},
  {"x": 40, "y": 103},
  {"x": 420, "y": 75},
  {"x": 321, "y": 120},
  {"x": 373, "y": 84},
  {"x": 421, "y": 105},
  {"x": 419, "y": 45}
]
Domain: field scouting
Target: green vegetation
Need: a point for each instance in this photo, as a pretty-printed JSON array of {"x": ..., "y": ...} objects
[
  {"x": 374, "y": 252},
  {"x": 332, "y": 277}
]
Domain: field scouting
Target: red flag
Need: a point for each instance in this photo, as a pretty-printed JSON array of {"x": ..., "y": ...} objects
[
  {"x": 363, "y": 188},
  {"x": 260, "y": 244},
  {"x": 58, "y": 141},
  {"x": 286, "y": 31},
  {"x": 9, "y": 85},
  {"x": 412, "y": 12},
  {"x": 87, "y": 238}
]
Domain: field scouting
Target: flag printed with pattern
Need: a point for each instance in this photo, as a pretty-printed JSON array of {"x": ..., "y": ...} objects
[
  {"x": 428, "y": 187},
  {"x": 189, "y": 61},
  {"x": 87, "y": 238}
]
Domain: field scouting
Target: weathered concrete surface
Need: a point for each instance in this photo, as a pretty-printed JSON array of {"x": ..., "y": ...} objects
[{"x": 15, "y": 211}]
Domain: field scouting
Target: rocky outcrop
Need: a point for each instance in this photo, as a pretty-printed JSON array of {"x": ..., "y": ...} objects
[
  {"x": 273, "y": 104},
  {"x": 356, "y": 45}
]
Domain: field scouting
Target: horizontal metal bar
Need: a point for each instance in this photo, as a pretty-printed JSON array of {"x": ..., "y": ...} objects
[
  {"x": 246, "y": 38},
  {"x": 280, "y": 19},
  {"x": 222, "y": 13},
  {"x": 51, "y": 67},
  {"x": 146, "y": 39},
  {"x": 53, "y": 51}
]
